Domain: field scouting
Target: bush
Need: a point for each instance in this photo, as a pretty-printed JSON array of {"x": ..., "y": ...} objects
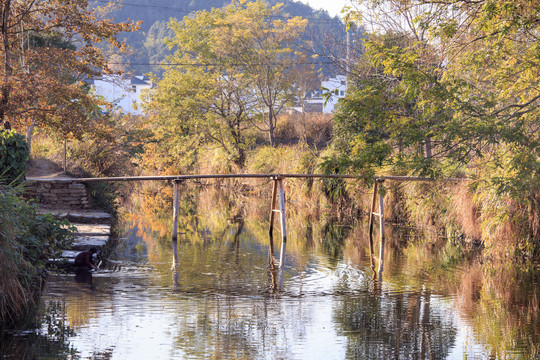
[
  {"x": 14, "y": 154},
  {"x": 27, "y": 240}
]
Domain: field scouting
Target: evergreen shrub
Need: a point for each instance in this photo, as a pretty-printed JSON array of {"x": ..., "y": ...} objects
[{"x": 14, "y": 154}]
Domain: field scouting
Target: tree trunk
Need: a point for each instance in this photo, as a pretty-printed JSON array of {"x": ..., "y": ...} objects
[
  {"x": 6, "y": 87},
  {"x": 427, "y": 148},
  {"x": 271, "y": 126},
  {"x": 240, "y": 154}
]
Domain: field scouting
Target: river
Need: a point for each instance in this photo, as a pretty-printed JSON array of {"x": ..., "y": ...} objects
[{"x": 434, "y": 301}]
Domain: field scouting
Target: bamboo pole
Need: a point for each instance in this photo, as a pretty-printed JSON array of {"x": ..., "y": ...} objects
[
  {"x": 176, "y": 209},
  {"x": 243, "y": 176},
  {"x": 283, "y": 223},
  {"x": 175, "y": 278},
  {"x": 381, "y": 224},
  {"x": 271, "y": 228},
  {"x": 372, "y": 210}
]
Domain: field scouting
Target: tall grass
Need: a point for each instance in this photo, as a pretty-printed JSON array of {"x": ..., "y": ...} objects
[
  {"x": 27, "y": 241},
  {"x": 472, "y": 216},
  {"x": 312, "y": 128}
]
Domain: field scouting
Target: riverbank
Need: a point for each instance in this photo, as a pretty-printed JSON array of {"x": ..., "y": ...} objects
[
  {"x": 27, "y": 242},
  {"x": 37, "y": 232},
  {"x": 63, "y": 197},
  {"x": 475, "y": 215},
  {"x": 471, "y": 213}
]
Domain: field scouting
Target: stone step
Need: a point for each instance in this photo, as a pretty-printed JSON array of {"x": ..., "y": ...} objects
[
  {"x": 93, "y": 229},
  {"x": 80, "y": 216},
  {"x": 70, "y": 254},
  {"x": 82, "y": 242},
  {"x": 66, "y": 259}
]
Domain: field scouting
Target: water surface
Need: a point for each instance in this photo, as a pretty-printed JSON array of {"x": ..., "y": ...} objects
[{"x": 226, "y": 302}]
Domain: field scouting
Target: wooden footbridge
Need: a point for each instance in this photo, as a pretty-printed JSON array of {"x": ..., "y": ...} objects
[{"x": 277, "y": 202}]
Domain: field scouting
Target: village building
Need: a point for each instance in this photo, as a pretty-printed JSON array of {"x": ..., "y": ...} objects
[
  {"x": 317, "y": 102},
  {"x": 124, "y": 92}
]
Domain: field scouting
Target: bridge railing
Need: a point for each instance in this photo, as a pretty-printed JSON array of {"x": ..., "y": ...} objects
[{"x": 230, "y": 176}]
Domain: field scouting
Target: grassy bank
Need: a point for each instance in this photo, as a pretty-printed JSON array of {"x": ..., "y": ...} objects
[
  {"x": 471, "y": 214},
  {"x": 27, "y": 240}
]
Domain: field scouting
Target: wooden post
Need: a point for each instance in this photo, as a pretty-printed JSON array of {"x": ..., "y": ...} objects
[
  {"x": 65, "y": 155},
  {"x": 176, "y": 209},
  {"x": 271, "y": 229},
  {"x": 372, "y": 210},
  {"x": 381, "y": 224},
  {"x": 283, "y": 223},
  {"x": 175, "y": 277},
  {"x": 273, "y": 278}
]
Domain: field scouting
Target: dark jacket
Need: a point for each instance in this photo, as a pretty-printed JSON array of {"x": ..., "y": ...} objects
[{"x": 84, "y": 258}]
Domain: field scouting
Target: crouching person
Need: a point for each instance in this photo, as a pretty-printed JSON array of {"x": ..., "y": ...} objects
[{"x": 84, "y": 259}]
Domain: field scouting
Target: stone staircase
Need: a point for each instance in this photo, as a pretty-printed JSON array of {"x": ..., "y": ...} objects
[{"x": 66, "y": 198}]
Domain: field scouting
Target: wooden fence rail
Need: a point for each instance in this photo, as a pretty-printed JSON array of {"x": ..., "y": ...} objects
[{"x": 239, "y": 176}]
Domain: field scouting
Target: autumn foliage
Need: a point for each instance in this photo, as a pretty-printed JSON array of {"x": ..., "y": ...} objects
[{"x": 48, "y": 48}]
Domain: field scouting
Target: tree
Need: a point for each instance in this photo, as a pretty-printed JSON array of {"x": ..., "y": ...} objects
[
  {"x": 461, "y": 76},
  {"x": 231, "y": 66},
  {"x": 196, "y": 106},
  {"x": 393, "y": 108},
  {"x": 261, "y": 42},
  {"x": 245, "y": 48},
  {"x": 464, "y": 77},
  {"x": 48, "y": 48}
]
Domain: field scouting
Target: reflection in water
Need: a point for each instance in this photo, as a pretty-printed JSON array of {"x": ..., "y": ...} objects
[
  {"x": 52, "y": 342},
  {"x": 84, "y": 276},
  {"x": 397, "y": 326},
  {"x": 275, "y": 278},
  {"x": 176, "y": 284},
  {"x": 229, "y": 299}
]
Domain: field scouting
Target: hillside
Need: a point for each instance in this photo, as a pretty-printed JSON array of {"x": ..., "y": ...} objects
[{"x": 325, "y": 35}]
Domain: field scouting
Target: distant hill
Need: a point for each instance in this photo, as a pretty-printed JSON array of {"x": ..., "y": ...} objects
[{"x": 326, "y": 34}]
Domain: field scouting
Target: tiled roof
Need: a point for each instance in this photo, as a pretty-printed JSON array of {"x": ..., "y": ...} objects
[{"x": 136, "y": 81}]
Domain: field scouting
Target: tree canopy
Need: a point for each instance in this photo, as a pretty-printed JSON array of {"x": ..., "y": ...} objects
[
  {"x": 48, "y": 48},
  {"x": 444, "y": 84}
]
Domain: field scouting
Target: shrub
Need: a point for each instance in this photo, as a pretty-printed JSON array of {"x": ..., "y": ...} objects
[
  {"x": 27, "y": 240},
  {"x": 14, "y": 154}
]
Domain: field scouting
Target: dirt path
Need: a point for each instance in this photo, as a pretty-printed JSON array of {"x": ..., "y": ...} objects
[{"x": 44, "y": 169}]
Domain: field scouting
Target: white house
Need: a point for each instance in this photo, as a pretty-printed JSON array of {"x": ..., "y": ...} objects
[
  {"x": 336, "y": 86},
  {"x": 123, "y": 91}
]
